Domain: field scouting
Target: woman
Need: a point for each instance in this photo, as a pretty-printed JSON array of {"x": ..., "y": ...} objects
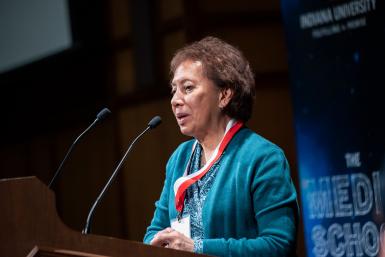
[{"x": 228, "y": 191}]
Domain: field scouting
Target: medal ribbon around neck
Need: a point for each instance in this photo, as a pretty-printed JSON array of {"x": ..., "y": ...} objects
[{"x": 182, "y": 183}]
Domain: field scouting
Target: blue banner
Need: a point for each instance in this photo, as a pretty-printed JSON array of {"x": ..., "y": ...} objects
[{"x": 336, "y": 52}]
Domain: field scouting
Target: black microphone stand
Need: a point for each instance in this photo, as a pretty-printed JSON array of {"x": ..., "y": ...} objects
[
  {"x": 101, "y": 116},
  {"x": 152, "y": 124}
]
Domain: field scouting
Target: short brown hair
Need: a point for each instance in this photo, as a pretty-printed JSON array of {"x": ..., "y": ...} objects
[{"x": 226, "y": 66}]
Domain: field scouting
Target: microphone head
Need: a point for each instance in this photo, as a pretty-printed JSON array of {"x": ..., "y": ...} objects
[
  {"x": 154, "y": 122},
  {"x": 103, "y": 114}
]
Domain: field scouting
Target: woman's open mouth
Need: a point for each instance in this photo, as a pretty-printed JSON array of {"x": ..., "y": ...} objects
[{"x": 181, "y": 117}]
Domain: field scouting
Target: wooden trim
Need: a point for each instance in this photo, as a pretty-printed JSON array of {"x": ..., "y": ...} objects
[{"x": 43, "y": 251}]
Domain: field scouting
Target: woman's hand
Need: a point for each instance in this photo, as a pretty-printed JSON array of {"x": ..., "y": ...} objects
[{"x": 171, "y": 238}]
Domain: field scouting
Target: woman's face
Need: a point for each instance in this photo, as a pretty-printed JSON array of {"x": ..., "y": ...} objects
[{"x": 196, "y": 100}]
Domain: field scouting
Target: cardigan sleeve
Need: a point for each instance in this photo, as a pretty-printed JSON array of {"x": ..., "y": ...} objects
[{"x": 275, "y": 211}]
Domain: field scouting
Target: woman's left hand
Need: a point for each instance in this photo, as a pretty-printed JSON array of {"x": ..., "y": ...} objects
[{"x": 171, "y": 238}]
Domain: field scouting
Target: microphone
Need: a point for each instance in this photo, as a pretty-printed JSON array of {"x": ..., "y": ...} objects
[
  {"x": 154, "y": 122},
  {"x": 102, "y": 115}
]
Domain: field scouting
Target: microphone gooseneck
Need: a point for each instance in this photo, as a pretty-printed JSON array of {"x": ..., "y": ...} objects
[
  {"x": 102, "y": 115},
  {"x": 151, "y": 125}
]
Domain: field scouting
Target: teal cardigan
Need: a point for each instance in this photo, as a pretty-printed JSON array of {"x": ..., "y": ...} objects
[{"x": 251, "y": 209}]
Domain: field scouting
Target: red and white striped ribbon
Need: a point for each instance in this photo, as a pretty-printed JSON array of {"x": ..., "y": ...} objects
[{"x": 182, "y": 183}]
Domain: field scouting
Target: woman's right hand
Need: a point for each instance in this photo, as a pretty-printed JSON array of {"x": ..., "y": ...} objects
[{"x": 171, "y": 238}]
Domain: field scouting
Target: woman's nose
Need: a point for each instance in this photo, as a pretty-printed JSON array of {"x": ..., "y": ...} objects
[{"x": 176, "y": 99}]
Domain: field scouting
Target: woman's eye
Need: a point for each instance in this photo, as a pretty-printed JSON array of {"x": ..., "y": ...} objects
[{"x": 188, "y": 88}]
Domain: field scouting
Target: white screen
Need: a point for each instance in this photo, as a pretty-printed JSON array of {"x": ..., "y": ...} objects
[{"x": 31, "y": 30}]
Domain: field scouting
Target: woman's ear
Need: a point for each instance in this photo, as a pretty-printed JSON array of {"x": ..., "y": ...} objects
[{"x": 224, "y": 97}]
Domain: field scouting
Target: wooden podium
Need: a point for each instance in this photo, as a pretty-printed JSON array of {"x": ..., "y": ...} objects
[{"x": 30, "y": 226}]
